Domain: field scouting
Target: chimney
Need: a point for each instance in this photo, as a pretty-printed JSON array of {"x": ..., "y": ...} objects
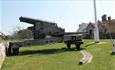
[
  {"x": 89, "y": 22},
  {"x": 109, "y": 18},
  {"x": 104, "y": 17}
]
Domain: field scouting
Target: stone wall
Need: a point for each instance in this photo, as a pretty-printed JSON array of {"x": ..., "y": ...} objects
[{"x": 2, "y": 54}]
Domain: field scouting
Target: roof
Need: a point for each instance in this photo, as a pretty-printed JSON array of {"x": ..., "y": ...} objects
[
  {"x": 92, "y": 24},
  {"x": 82, "y": 27},
  {"x": 109, "y": 25},
  {"x": 111, "y": 21}
]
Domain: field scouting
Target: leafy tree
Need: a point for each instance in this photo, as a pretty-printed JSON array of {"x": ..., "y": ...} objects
[{"x": 25, "y": 34}]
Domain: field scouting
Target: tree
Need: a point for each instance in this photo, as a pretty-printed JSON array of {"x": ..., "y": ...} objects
[
  {"x": 25, "y": 34},
  {"x": 3, "y": 36}
]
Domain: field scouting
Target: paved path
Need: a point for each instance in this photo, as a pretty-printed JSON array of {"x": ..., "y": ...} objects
[{"x": 2, "y": 54}]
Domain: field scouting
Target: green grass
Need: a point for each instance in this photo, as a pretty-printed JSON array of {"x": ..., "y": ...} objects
[{"x": 53, "y": 57}]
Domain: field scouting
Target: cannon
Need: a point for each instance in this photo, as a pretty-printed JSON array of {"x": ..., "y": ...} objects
[{"x": 41, "y": 29}]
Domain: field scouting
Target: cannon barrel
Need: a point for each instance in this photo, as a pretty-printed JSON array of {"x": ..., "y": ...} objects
[
  {"x": 42, "y": 28},
  {"x": 31, "y": 20}
]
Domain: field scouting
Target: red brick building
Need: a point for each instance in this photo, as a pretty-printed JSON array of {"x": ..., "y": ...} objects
[{"x": 108, "y": 26}]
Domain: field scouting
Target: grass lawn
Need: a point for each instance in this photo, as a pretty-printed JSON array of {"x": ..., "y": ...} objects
[{"x": 53, "y": 57}]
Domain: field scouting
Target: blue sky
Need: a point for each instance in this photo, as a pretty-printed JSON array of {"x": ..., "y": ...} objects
[{"x": 67, "y": 14}]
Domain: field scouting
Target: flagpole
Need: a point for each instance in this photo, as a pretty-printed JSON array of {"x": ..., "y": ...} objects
[{"x": 96, "y": 31}]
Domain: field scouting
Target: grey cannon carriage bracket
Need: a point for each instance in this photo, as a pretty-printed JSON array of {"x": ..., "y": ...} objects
[{"x": 73, "y": 39}]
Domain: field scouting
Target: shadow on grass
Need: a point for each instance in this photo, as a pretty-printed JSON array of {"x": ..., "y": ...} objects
[
  {"x": 47, "y": 51},
  {"x": 89, "y": 44},
  {"x": 113, "y": 53}
]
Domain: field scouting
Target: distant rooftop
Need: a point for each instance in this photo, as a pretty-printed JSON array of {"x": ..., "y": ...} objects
[{"x": 82, "y": 27}]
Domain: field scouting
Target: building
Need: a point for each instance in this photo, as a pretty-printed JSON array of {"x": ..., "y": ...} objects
[
  {"x": 90, "y": 30},
  {"x": 87, "y": 27},
  {"x": 106, "y": 28},
  {"x": 82, "y": 27}
]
